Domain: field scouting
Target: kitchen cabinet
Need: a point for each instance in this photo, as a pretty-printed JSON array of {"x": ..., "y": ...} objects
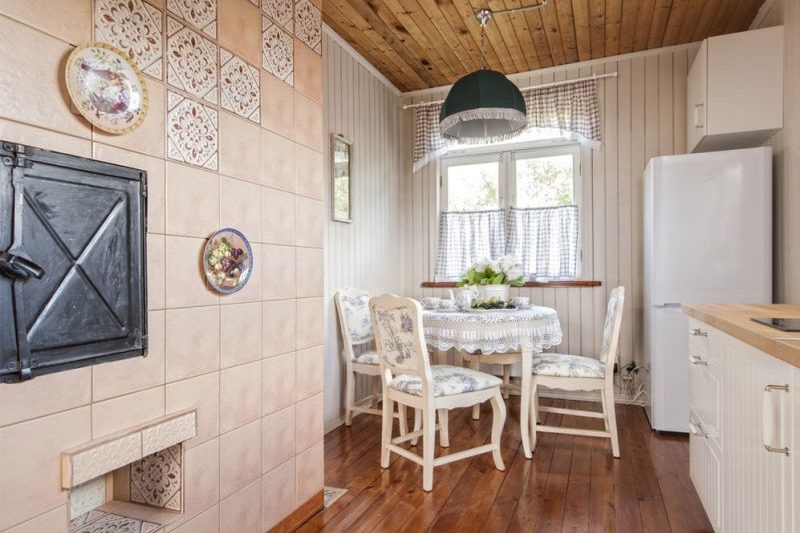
[
  {"x": 744, "y": 406},
  {"x": 735, "y": 91}
]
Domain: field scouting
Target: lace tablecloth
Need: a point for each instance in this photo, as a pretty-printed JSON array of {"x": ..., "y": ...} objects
[{"x": 535, "y": 329}]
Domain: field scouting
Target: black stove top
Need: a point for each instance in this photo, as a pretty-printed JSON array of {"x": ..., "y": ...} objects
[{"x": 783, "y": 324}]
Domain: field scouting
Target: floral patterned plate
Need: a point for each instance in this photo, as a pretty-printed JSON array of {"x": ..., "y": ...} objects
[
  {"x": 106, "y": 87},
  {"x": 228, "y": 260}
]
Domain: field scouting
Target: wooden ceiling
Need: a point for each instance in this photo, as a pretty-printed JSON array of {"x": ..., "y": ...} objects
[{"x": 428, "y": 43}]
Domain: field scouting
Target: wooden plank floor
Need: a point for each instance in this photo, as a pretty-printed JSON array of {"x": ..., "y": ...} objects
[{"x": 571, "y": 484}]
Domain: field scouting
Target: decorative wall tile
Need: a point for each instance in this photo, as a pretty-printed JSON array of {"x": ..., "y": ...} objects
[
  {"x": 202, "y": 14},
  {"x": 191, "y": 132},
  {"x": 191, "y": 61},
  {"x": 134, "y": 27},
  {"x": 83, "y": 465},
  {"x": 277, "y": 51},
  {"x": 308, "y": 24},
  {"x": 87, "y": 496},
  {"x": 103, "y": 522},
  {"x": 240, "y": 86},
  {"x": 254, "y": 2},
  {"x": 161, "y": 436},
  {"x": 156, "y": 479},
  {"x": 280, "y": 11}
]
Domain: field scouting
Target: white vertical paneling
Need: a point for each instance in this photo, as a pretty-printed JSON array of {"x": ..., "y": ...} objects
[
  {"x": 367, "y": 253},
  {"x": 640, "y": 119}
]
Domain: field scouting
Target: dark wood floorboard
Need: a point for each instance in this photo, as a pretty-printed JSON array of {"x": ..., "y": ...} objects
[{"x": 572, "y": 484}]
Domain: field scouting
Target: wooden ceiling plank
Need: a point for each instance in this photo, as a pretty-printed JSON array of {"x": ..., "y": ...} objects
[
  {"x": 523, "y": 33},
  {"x": 452, "y": 36},
  {"x": 566, "y": 25},
  {"x": 405, "y": 46},
  {"x": 502, "y": 24},
  {"x": 493, "y": 40},
  {"x": 724, "y": 14},
  {"x": 750, "y": 16},
  {"x": 613, "y": 25},
  {"x": 643, "y": 20},
  {"x": 658, "y": 24},
  {"x": 536, "y": 26},
  {"x": 739, "y": 20},
  {"x": 413, "y": 19},
  {"x": 711, "y": 10},
  {"x": 361, "y": 33},
  {"x": 597, "y": 20},
  {"x": 627, "y": 32},
  {"x": 690, "y": 21},
  {"x": 677, "y": 16},
  {"x": 468, "y": 26},
  {"x": 553, "y": 32}
]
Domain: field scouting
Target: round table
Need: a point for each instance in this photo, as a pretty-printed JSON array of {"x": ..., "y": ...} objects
[{"x": 527, "y": 331}]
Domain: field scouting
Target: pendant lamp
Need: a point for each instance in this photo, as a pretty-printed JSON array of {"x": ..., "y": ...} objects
[{"x": 483, "y": 106}]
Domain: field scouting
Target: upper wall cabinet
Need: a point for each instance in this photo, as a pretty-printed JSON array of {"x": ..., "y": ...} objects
[{"x": 735, "y": 91}]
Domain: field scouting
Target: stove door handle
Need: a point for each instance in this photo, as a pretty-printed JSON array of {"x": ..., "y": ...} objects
[{"x": 19, "y": 268}]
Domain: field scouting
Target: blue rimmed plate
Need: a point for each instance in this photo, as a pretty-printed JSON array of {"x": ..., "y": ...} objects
[{"x": 228, "y": 260}]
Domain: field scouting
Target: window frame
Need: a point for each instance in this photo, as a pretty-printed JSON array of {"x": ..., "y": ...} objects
[{"x": 506, "y": 154}]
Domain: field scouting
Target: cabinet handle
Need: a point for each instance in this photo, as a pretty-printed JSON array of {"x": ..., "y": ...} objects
[
  {"x": 698, "y": 121},
  {"x": 697, "y": 332},
  {"x": 697, "y": 430},
  {"x": 697, "y": 360},
  {"x": 769, "y": 420}
]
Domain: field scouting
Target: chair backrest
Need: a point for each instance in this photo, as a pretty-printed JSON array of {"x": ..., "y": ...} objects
[
  {"x": 399, "y": 338},
  {"x": 352, "y": 306},
  {"x": 611, "y": 329}
]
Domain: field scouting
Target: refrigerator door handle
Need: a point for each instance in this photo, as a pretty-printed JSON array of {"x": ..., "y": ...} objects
[{"x": 669, "y": 305}]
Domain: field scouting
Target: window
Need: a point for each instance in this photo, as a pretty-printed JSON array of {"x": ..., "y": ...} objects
[{"x": 535, "y": 192}]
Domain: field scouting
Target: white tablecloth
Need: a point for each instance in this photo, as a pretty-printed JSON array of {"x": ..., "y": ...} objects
[{"x": 535, "y": 329}]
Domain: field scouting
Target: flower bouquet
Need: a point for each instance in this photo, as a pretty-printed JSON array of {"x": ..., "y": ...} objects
[{"x": 493, "y": 278}]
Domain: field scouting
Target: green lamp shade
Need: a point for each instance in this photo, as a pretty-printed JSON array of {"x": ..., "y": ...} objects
[{"x": 483, "y": 106}]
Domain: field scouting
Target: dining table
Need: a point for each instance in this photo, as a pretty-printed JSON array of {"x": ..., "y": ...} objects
[{"x": 527, "y": 331}]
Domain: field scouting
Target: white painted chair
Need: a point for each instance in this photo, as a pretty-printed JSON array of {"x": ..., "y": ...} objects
[
  {"x": 409, "y": 379},
  {"x": 575, "y": 372},
  {"x": 352, "y": 306}
]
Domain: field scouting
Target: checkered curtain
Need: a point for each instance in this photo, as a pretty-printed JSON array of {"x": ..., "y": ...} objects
[
  {"x": 468, "y": 237},
  {"x": 546, "y": 240},
  {"x": 572, "y": 110}
]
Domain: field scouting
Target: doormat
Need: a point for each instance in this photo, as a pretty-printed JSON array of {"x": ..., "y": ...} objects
[{"x": 332, "y": 494}]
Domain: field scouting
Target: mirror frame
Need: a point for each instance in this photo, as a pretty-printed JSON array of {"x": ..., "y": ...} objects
[{"x": 337, "y": 138}]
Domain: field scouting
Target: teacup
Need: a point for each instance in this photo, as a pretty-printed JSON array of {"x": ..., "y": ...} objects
[
  {"x": 520, "y": 301},
  {"x": 430, "y": 302},
  {"x": 448, "y": 305}
]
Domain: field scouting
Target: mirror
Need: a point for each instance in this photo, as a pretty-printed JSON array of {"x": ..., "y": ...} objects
[{"x": 341, "y": 186}]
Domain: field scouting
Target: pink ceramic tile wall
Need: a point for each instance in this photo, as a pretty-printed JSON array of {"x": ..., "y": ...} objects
[{"x": 250, "y": 363}]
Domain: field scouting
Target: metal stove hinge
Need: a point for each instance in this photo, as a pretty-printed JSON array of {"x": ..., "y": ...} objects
[{"x": 16, "y": 155}]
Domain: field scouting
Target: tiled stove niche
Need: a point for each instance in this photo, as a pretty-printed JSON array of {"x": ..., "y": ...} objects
[{"x": 130, "y": 482}]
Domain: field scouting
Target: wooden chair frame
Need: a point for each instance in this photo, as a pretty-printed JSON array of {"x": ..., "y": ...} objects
[
  {"x": 604, "y": 385},
  {"x": 427, "y": 404},
  {"x": 352, "y": 368}
]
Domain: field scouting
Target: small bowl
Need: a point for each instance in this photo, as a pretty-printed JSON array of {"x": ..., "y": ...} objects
[
  {"x": 430, "y": 302},
  {"x": 448, "y": 305},
  {"x": 520, "y": 302}
]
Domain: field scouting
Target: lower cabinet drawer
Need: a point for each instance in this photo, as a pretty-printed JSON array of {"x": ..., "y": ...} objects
[
  {"x": 705, "y": 470},
  {"x": 705, "y": 392}
]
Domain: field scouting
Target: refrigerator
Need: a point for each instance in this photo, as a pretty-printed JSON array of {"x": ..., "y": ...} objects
[{"x": 707, "y": 238}]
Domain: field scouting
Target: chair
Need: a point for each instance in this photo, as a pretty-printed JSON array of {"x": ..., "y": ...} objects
[
  {"x": 409, "y": 379},
  {"x": 352, "y": 306},
  {"x": 575, "y": 372}
]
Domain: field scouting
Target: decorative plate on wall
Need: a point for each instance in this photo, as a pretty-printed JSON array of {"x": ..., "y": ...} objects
[
  {"x": 106, "y": 87},
  {"x": 228, "y": 260}
]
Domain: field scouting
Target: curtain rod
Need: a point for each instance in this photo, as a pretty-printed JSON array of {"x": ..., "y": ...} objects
[{"x": 543, "y": 86}]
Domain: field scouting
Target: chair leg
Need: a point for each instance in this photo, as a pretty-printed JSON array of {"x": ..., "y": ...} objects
[
  {"x": 350, "y": 393},
  {"x": 611, "y": 414},
  {"x": 444, "y": 432},
  {"x": 498, "y": 420},
  {"x": 476, "y": 409},
  {"x": 428, "y": 440},
  {"x": 417, "y": 425},
  {"x": 604, "y": 406},
  {"x": 401, "y": 412},
  {"x": 386, "y": 434},
  {"x": 376, "y": 391},
  {"x": 506, "y": 381},
  {"x": 534, "y": 415}
]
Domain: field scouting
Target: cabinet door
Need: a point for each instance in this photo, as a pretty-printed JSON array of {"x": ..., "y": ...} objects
[
  {"x": 696, "y": 90},
  {"x": 756, "y": 483}
]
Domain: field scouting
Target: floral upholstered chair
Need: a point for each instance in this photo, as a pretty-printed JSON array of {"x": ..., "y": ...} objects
[
  {"x": 410, "y": 380},
  {"x": 575, "y": 372},
  {"x": 352, "y": 306}
]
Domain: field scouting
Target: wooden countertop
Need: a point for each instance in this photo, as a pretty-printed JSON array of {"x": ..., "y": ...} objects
[{"x": 734, "y": 319}]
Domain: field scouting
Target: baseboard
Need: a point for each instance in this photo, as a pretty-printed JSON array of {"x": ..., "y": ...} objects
[{"x": 300, "y": 515}]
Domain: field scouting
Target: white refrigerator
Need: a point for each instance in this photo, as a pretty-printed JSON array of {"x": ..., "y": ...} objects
[{"x": 707, "y": 239}]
